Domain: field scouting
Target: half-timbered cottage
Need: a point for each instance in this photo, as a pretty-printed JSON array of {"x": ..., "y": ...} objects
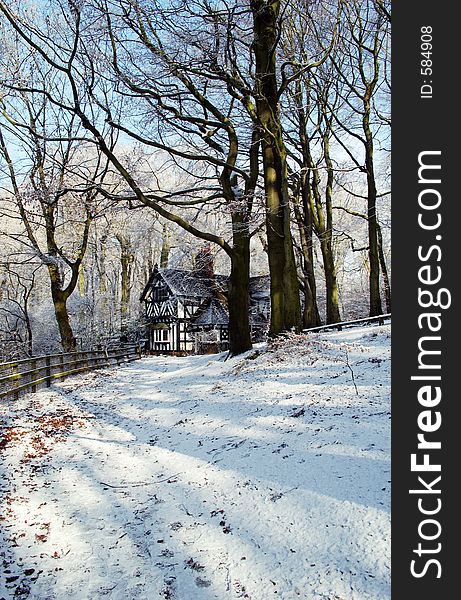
[{"x": 186, "y": 311}]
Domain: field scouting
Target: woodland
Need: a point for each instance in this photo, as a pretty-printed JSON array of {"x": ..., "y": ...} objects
[{"x": 133, "y": 132}]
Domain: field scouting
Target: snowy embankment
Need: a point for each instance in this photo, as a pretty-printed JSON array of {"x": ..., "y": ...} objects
[{"x": 264, "y": 476}]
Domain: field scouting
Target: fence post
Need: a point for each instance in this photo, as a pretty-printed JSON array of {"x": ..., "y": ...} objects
[
  {"x": 33, "y": 364},
  {"x": 48, "y": 371},
  {"x": 18, "y": 381}
]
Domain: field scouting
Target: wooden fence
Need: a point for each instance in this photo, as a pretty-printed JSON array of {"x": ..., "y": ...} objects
[
  {"x": 379, "y": 320},
  {"x": 31, "y": 374}
]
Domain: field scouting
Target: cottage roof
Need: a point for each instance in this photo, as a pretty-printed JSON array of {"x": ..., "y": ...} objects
[
  {"x": 190, "y": 283},
  {"x": 193, "y": 284},
  {"x": 213, "y": 313},
  {"x": 187, "y": 283}
]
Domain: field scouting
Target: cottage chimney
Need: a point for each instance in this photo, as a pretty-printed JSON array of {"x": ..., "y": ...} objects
[{"x": 204, "y": 262}]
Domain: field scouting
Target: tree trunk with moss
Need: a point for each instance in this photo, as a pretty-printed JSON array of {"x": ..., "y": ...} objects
[
  {"x": 384, "y": 271},
  {"x": 60, "y": 297},
  {"x": 323, "y": 225},
  {"x": 285, "y": 302},
  {"x": 239, "y": 289},
  {"x": 310, "y": 314},
  {"x": 373, "y": 249},
  {"x": 332, "y": 296}
]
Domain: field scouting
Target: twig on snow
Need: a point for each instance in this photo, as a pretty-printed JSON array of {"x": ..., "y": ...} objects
[
  {"x": 141, "y": 483},
  {"x": 352, "y": 372}
]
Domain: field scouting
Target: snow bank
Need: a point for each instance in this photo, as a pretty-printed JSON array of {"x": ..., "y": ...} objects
[{"x": 264, "y": 476}]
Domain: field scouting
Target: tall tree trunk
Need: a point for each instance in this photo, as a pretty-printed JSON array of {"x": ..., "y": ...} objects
[
  {"x": 102, "y": 290},
  {"x": 30, "y": 345},
  {"x": 373, "y": 252},
  {"x": 81, "y": 281},
  {"x": 59, "y": 298},
  {"x": 310, "y": 315},
  {"x": 332, "y": 298},
  {"x": 324, "y": 231},
  {"x": 126, "y": 261},
  {"x": 384, "y": 272},
  {"x": 166, "y": 247},
  {"x": 326, "y": 242},
  {"x": 285, "y": 302},
  {"x": 239, "y": 290},
  {"x": 311, "y": 311}
]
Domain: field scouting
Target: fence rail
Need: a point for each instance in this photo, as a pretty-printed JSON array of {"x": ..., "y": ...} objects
[
  {"x": 30, "y": 374},
  {"x": 379, "y": 320}
]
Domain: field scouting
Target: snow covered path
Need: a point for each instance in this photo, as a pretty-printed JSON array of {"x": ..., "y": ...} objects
[{"x": 260, "y": 477}]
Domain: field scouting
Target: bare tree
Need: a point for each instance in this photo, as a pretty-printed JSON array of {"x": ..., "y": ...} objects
[
  {"x": 54, "y": 200},
  {"x": 364, "y": 75},
  {"x": 338, "y": 116},
  {"x": 285, "y": 305},
  {"x": 16, "y": 287},
  {"x": 309, "y": 101}
]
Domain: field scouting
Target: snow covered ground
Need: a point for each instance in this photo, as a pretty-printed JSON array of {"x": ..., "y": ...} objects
[{"x": 263, "y": 476}]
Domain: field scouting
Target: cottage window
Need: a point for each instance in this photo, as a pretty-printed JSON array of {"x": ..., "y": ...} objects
[{"x": 159, "y": 294}]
